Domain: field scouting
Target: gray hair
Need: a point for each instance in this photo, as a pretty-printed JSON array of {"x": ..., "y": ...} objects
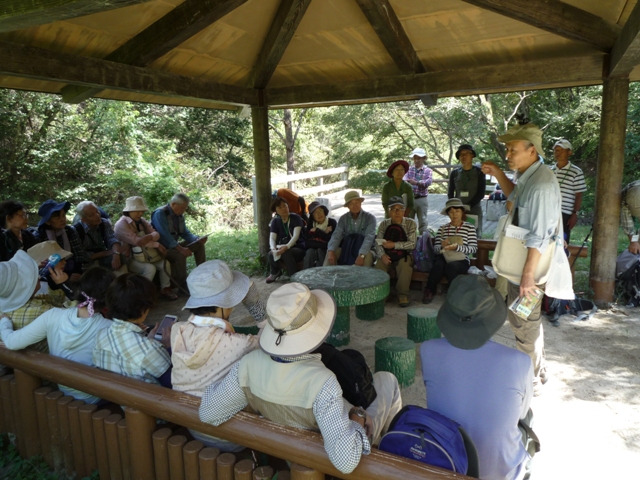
[
  {"x": 84, "y": 204},
  {"x": 179, "y": 198}
]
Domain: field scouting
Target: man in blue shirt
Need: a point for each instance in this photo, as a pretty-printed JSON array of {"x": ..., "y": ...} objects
[
  {"x": 169, "y": 222},
  {"x": 484, "y": 386}
]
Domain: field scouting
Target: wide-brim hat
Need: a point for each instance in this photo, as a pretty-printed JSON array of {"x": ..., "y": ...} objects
[
  {"x": 315, "y": 205},
  {"x": 135, "y": 204},
  {"x": 419, "y": 152},
  {"x": 393, "y": 166},
  {"x": 18, "y": 280},
  {"x": 352, "y": 195},
  {"x": 43, "y": 250},
  {"x": 49, "y": 207},
  {"x": 298, "y": 320},
  {"x": 472, "y": 312},
  {"x": 465, "y": 146},
  {"x": 453, "y": 203},
  {"x": 528, "y": 132},
  {"x": 214, "y": 284}
]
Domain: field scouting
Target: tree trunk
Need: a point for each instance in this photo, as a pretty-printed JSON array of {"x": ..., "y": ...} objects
[{"x": 289, "y": 141}]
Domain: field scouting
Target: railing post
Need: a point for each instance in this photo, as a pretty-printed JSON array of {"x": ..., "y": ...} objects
[
  {"x": 85, "y": 413},
  {"x": 22, "y": 448},
  {"x": 113, "y": 446},
  {"x": 207, "y": 460},
  {"x": 123, "y": 442},
  {"x": 65, "y": 433},
  {"x": 43, "y": 424},
  {"x": 291, "y": 185},
  {"x": 73, "y": 410},
  {"x": 176, "y": 460},
  {"x": 225, "y": 464},
  {"x": 345, "y": 175},
  {"x": 320, "y": 182},
  {"x": 100, "y": 441},
  {"x": 140, "y": 427},
  {"x": 51, "y": 402},
  {"x": 190, "y": 456},
  {"x": 27, "y": 385},
  {"x": 7, "y": 404}
]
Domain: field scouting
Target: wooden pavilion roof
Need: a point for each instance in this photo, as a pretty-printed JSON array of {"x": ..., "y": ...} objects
[{"x": 231, "y": 53}]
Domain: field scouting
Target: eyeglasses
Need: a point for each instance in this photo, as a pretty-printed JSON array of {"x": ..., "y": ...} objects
[
  {"x": 24, "y": 215},
  {"x": 397, "y": 209}
]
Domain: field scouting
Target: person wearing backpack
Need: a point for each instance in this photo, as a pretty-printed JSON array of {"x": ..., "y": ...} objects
[
  {"x": 484, "y": 386},
  {"x": 395, "y": 242}
]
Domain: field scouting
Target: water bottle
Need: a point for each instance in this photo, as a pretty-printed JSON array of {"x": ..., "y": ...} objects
[{"x": 53, "y": 260}]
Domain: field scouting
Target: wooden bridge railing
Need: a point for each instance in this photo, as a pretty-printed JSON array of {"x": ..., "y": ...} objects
[{"x": 59, "y": 428}]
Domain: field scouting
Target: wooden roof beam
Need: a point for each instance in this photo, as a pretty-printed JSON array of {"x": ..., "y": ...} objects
[
  {"x": 33, "y": 62},
  {"x": 524, "y": 76},
  {"x": 558, "y": 18},
  {"x": 283, "y": 27},
  {"x": 625, "y": 54},
  {"x": 162, "y": 36},
  {"x": 19, "y": 14}
]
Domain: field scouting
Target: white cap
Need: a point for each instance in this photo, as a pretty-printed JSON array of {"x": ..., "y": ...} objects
[
  {"x": 564, "y": 144},
  {"x": 419, "y": 152}
]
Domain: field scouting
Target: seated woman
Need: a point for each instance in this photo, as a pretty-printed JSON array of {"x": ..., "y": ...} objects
[
  {"x": 125, "y": 347},
  {"x": 285, "y": 241},
  {"x": 455, "y": 241},
  {"x": 319, "y": 233},
  {"x": 138, "y": 235},
  {"x": 53, "y": 226},
  {"x": 70, "y": 332},
  {"x": 397, "y": 187},
  {"x": 204, "y": 348},
  {"x": 14, "y": 235}
]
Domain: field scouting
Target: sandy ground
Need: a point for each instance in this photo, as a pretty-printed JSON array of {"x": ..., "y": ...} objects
[{"x": 588, "y": 416}]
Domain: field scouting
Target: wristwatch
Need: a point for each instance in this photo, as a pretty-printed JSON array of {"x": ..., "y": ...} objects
[
  {"x": 359, "y": 412},
  {"x": 362, "y": 255}
]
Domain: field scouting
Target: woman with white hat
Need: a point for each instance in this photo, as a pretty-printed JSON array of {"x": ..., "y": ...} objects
[
  {"x": 140, "y": 242},
  {"x": 204, "y": 348},
  {"x": 454, "y": 243}
]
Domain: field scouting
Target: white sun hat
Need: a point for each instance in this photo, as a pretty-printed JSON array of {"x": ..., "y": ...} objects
[
  {"x": 214, "y": 284},
  {"x": 18, "y": 280},
  {"x": 298, "y": 320}
]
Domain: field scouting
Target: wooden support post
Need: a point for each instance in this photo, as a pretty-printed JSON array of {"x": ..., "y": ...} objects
[
  {"x": 123, "y": 443},
  {"x": 283, "y": 475},
  {"x": 76, "y": 438},
  {"x": 262, "y": 157},
  {"x": 7, "y": 404},
  {"x": 26, "y": 385},
  {"x": 139, "y": 432},
  {"x": 15, "y": 402},
  {"x": 208, "y": 465},
  {"x": 113, "y": 446},
  {"x": 51, "y": 402},
  {"x": 43, "y": 424},
  {"x": 100, "y": 441},
  {"x": 613, "y": 123},
  {"x": 176, "y": 462},
  {"x": 263, "y": 473},
  {"x": 65, "y": 433},
  {"x": 190, "y": 457},
  {"x": 320, "y": 182},
  {"x": 160, "y": 454},
  {"x": 298, "y": 472},
  {"x": 85, "y": 412},
  {"x": 225, "y": 464},
  {"x": 243, "y": 470}
]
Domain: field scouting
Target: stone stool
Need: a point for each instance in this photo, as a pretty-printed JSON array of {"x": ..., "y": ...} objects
[
  {"x": 398, "y": 356},
  {"x": 421, "y": 324}
]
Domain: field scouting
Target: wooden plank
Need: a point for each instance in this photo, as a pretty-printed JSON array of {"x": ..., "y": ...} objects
[
  {"x": 322, "y": 188},
  {"x": 34, "y": 62},
  {"x": 387, "y": 26},
  {"x": 307, "y": 175},
  {"x": 625, "y": 54},
  {"x": 530, "y": 75},
  {"x": 162, "y": 36},
  {"x": 19, "y": 14},
  {"x": 558, "y": 18},
  {"x": 287, "y": 19}
]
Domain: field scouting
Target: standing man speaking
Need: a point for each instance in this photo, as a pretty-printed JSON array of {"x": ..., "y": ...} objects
[{"x": 536, "y": 196}]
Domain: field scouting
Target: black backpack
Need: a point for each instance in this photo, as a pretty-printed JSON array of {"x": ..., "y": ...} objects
[
  {"x": 628, "y": 286},
  {"x": 395, "y": 233},
  {"x": 350, "y": 248},
  {"x": 353, "y": 374}
]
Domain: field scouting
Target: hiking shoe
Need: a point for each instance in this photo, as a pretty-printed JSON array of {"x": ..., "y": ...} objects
[
  {"x": 403, "y": 301},
  {"x": 273, "y": 277},
  {"x": 167, "y": 293},
  {"x": 427, "y": 297}
]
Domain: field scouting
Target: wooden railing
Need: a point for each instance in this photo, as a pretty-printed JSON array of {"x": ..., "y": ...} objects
[{"x": 75, "y": 437}]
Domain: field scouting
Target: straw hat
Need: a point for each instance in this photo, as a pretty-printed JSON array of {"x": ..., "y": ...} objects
[
  {"x": 43, "y": 250},
  {"x": 214, "y": 284},
  {"x": 472, "y": 312},
  {"x": 453, "y": 203},
  {"x": 298, "y": 320},
  {"x": 135, "y": 204},
  {"x": 18, "y": 280}
]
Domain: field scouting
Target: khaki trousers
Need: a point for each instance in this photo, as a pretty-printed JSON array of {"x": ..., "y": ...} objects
[
  {"x": 404, "y": 270},
  {"x": 368, "y": 258}
]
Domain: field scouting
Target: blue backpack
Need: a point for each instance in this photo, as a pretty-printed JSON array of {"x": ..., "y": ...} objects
[
  {"x": 428, "y": 437},
  {"x": 423, "y": 254}
]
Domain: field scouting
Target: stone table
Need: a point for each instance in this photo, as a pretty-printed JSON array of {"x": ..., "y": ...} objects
[{"x": 362, "y": 287}]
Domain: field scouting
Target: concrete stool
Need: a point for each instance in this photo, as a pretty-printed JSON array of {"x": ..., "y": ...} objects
[
  {"x": 398, "y": 356},
  {"x": 421, "y": 324}
]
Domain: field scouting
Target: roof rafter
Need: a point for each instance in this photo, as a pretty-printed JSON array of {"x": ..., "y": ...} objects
[
  {"x": 19, "y": 14},
  {"x": 34, "y": 62},
  {"x": 558, "y": 18},
  {"x": 625, "y": 54},
  {"x": 283, "y": 27},
  {"x": 169, "y": 31},
  {"x": 530, "y": 75}
]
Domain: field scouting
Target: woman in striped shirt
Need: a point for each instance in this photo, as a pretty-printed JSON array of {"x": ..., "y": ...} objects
[{"x": 455, "y": 241}]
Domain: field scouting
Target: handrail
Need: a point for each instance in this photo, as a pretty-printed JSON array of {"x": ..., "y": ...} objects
[
  {"x": 304, "y": 176},
  {"x": 298, "y": 446}
]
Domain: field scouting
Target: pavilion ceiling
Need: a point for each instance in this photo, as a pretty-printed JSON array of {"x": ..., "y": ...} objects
[{"x": 230, "y": 53}]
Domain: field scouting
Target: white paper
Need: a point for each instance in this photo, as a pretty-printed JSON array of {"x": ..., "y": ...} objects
[{"x": 516, "y": 232}]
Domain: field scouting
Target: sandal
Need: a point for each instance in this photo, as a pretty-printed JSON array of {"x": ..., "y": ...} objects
[{"x": 167, "y": 293}]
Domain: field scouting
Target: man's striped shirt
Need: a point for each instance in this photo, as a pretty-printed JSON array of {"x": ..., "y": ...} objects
[{"x": 571, "y": 181}]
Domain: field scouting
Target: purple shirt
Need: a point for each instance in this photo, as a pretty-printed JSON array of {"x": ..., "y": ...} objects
[{"x": 423, "y": 176}]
